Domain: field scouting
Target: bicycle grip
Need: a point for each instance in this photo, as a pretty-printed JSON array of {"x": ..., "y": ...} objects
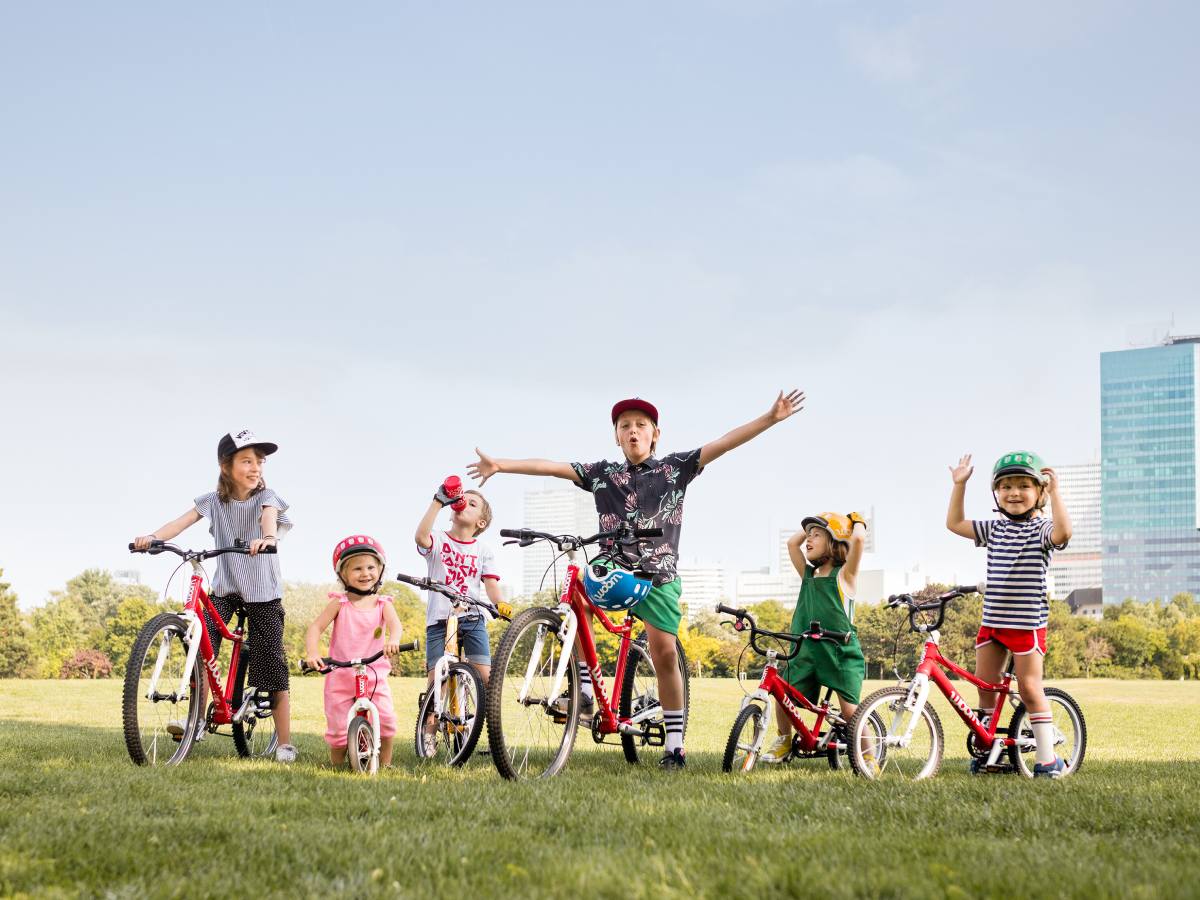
[
  {"x": 510, "y": 532},
  {"x": 647, "y": 532},
  {"x": 969, "y": 588},
  {"x": 411, "y": 645},
  {"x": 722, "y": 608}
]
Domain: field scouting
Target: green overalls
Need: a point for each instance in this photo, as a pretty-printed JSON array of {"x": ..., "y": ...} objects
[{"x": 825, "y": 663}]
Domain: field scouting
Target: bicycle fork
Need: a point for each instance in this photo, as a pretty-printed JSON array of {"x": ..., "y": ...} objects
[{"x": 566, "y": 634}]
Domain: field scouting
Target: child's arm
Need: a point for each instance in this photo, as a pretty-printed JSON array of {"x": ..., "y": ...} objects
[
  {"x": 795, "y": 547},
  {"x": 491, "y": 587},
  {"x": 1058, "y": 509},
  {"x": 312, "y": 637},
  {"x": 424, "y": 535},
  {"x": 488, "y": 466},
  {"x": 268, "y": 522},
  {"x": 394, "y": 629},
  {"x": 168, "y": 531},
  {"x": 956, "y": 519},
  {"x": 780, "y": 410},
  {"x": 858, "y": 542}
]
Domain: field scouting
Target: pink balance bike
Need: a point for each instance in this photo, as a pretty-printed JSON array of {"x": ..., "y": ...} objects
[{"x": 911, "y": 745}]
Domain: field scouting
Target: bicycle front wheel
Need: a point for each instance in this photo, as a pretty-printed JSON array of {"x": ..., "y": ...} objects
[
  {"x": 360, "y": 746},
  {"x": 452, "y": 736},
  {"x": 639, "y": 692},
  {"x": 532, "y": 733},
  {"x": 890, "y": 743},
  {"x": 255, "y": 735},
  {"x": 1069, "y": 731},
  {"x": 744, "y": 745},
  {"x": 160, "y": 724}
]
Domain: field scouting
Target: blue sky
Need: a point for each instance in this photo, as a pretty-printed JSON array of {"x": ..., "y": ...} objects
[{"x": 386, "y": 234}]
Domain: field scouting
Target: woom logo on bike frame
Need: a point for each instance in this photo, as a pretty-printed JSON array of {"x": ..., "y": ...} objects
[{"x": 964, "y": 707}]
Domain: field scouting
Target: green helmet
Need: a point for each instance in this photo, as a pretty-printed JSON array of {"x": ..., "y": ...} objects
[{"x": 1018, "y": 463}]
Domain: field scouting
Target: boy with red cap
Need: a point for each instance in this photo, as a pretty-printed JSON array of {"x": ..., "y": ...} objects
[{"x": 647, "y": 492}]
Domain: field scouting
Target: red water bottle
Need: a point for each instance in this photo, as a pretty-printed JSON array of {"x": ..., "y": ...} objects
[{"x": 452, "y": 487}]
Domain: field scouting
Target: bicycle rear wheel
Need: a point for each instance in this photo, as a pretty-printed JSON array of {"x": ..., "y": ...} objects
[
  {"x": 909, "y": 748},
  {"x": 457, "y": 730},
  {"x": 744, "y": 745},
  {"x": 255, "y": 734},
  {"x": 159, "y": 725},
  {"x": 640, "y": 692},
  {"x": 531, "y": 733},
  {"x": 1070, "y": 734},
  {"x": 360, "y": 746}
]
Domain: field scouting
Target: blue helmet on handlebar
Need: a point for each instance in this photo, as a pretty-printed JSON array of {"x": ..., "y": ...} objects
[{"x": 614, "y": 589}]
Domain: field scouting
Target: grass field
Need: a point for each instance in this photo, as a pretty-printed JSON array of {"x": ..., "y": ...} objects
[{"x": 77, "y": 818}]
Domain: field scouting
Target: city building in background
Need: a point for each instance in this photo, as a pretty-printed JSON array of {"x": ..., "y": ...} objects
[
  {"x": 558, "y": 510},
  {"x": 703, "y": 588},
  {"x": 1150, "y": 520},
  {"x": 1078, "y": 566}
]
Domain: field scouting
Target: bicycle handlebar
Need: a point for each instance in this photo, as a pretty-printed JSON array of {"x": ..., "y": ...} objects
[
  {"x": 623, "y": 535},
  {"x": 815, "y": 632},
  {"x": 939, "y": 603},
  {"x": 239, "y": 546},
  {"x": 329, "y": 663},
  {"x": 426, "y": 584}
]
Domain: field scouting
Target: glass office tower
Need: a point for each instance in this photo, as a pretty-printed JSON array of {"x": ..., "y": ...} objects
[{"x": 1150, "y": 476}]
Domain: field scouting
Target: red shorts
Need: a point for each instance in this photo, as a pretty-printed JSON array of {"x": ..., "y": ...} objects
[{"x": 1018, "y": 641}]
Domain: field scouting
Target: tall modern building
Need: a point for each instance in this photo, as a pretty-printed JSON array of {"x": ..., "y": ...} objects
[
  {"x": 703, "y": 588},
  {"x": 1079, "y": 565},
  {"x": 558, "y": 510},
  {"x": 1149, "y": 446}
]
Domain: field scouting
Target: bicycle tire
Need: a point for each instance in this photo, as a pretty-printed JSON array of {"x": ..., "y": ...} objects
[
  {"x": 144, "y": 721},
  {"x": 1069, "y": 713},
  {"x": 452, "y": 739},
  {"x": 837, "y": 758},
  {"x": 360, "y": 746},
  {"x": 633, "y": 696},
  {"x": 756, "y": 717},
  {"x": 920, "y": 760},
  {"x": 253, "y": 736},
  {"x": 529, "y": 738}
]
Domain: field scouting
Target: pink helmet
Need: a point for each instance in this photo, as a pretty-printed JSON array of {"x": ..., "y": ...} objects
[{"x": 354, "y": 545}]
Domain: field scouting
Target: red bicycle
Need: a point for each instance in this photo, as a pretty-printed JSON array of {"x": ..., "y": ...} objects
[
  {"x": 828, "y": 735},
  {"x": 533, "y": 699},
  {"x": 911, "y": 745},
  {"x": 172, "y": 660}
]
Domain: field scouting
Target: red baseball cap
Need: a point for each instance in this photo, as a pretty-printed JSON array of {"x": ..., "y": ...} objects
[{"x": 635, "y": 403}]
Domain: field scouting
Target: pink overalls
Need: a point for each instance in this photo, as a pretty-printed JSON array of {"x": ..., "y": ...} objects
[{"x": 357, "y": 633}]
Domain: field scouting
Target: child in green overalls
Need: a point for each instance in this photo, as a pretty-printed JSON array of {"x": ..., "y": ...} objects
[{"x": 826, "y": 552}]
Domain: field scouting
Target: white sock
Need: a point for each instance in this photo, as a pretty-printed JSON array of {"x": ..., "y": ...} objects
[
  {"x": 585, "y": 681},
  {"x": 1043, "y": 736},
  {"x": 673, "y": 719}
]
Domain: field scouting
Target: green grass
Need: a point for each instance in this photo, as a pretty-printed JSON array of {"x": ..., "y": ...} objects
[{"x": 77, "y": 818}]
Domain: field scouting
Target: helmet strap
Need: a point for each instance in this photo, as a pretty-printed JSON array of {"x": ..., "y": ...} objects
[
  {"x": 359, "y": 592},
  {"x": 1023, "y": 517}
]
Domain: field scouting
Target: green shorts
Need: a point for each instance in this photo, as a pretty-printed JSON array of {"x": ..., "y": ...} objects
[
  {"x": 661, "y": 607},
  {"x": 841, "y": 667}
]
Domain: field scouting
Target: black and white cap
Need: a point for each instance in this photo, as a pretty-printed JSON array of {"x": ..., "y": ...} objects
[{"x": 240, "y": 440}]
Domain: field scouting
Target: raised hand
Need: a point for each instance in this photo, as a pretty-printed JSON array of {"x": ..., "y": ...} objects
[
  {"x": 1050, "y": 480},
  {"x": 960, "y": 473},
  {"x": 785, "y": 406},
  {"x": 484, "y": 469}
]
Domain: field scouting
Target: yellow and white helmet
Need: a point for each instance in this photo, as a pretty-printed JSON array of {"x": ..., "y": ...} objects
[{"x": 838, "y": 526}]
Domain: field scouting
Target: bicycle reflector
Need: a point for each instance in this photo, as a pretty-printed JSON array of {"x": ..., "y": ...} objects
[{"x": 614, "y": 589}]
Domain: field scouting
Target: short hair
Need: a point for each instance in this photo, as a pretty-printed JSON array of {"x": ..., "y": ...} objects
[{"x": 485, "y": 511}]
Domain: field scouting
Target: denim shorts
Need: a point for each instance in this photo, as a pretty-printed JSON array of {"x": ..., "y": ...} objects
[{"x": 472, "y": 639}]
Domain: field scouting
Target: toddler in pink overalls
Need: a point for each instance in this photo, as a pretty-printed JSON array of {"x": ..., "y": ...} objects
[{"x": 363, "y": 623}]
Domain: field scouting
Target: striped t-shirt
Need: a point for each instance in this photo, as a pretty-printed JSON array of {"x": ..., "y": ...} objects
[
  {"x": 255, "y": 578},
  {"x": 1018, "y": 556}
]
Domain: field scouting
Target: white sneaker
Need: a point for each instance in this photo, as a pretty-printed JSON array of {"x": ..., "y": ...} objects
[
  {"x": 285, "y": 753},
  {"x": 779, "y": 750}
]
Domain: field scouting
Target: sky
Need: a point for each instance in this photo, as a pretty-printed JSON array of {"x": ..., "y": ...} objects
[{"x": 384, "y": 235}]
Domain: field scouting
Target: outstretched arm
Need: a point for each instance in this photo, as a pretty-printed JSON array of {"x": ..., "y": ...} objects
[
  {"x": 783, "y": 407},
  {"x": 312, "y": 636},
  {"x": 956, "y": 519},
  {"x": 394, "y": 630},
  {"x": 1061, "y": 532},
  {"x": 487, "y": 466},
  {"x": 168, "y": 531}
]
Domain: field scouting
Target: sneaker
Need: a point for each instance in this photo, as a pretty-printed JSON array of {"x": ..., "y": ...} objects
[
  {"x": 175, "y": 729},
  {"x": 1056, "y": 769},
  {"x": 779, "y": 751},
  {"x": 978, "y": 766},
  {"x": 673, "y": 761},
  {"x": 285, "y": 753},
  {"x": 587, "y": 705},
  {"x": 870, "y": 763}
]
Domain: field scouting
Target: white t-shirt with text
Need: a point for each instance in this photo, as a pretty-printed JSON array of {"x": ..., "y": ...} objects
[{"x": 461, "y": 564}]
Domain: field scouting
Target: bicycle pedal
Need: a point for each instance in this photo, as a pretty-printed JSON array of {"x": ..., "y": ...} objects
[{"x": 655, "y": 734}]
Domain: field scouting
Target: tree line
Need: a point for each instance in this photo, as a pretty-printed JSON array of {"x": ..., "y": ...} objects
[{"x": 87, "y": 629}]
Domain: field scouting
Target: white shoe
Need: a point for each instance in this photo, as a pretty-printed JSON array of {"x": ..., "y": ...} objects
[
  {"x": 778, "y": 751},
  {"x": 285, "y": 753}
]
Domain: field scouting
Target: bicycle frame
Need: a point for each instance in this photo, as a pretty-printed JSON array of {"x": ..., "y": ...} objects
[
  {"x": 440, "y": 672},
  {"x": 363, "y": 705},
  {"x": 793, "y": 703}
]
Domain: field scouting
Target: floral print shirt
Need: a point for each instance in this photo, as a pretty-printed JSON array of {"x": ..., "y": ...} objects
[{"x": 646, "y": 495}]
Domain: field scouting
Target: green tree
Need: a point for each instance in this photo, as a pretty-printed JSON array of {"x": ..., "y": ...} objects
[
  {"x": 97, "y": 595},
  {"x": 58, "y": 630},
  {"x": 133, "y": 612},
  {"x": 16, "y": 653}
]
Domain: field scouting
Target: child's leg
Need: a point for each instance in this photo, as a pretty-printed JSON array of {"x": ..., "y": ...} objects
[
  {"x": 385, "y": 751},
  {"x": 670, "y": 683},
  {"x": 989, "y": 665},
  {"x": 782, "y": 723},
  {"x": 1029, "y": 667},
  {"x": 281, "y": 707},
  {"x": 337, "y": 756}
]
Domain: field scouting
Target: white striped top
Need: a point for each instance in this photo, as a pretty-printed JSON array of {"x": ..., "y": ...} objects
[
  {"x": 1018, "y": 556},
  {"x": 255, "y": 578}
]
